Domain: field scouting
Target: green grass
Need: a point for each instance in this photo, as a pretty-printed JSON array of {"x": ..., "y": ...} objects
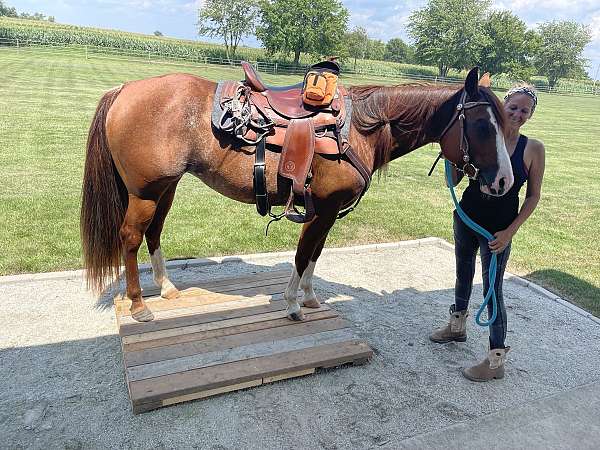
[{"x": 47, "y": 102}]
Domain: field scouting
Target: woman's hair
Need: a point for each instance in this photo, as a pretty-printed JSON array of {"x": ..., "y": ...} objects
[{"x": 523, "y": 88}]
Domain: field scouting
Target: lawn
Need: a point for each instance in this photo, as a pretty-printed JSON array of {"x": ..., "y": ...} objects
[{"x": 47, "y": 99}]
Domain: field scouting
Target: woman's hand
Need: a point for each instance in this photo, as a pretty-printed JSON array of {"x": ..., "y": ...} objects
[{"x": 502, "y": 240}]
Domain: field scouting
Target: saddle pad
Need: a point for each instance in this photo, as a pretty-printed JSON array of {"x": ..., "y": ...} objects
[
  {"x": 224, "y": 89},
  {"x": 216, "y": 109}
]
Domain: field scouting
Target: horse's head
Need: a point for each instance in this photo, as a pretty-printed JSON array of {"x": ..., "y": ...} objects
[{"x": 473, "y": 139}]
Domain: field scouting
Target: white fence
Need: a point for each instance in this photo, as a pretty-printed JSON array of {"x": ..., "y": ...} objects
[{"x": 386, "y": 72}]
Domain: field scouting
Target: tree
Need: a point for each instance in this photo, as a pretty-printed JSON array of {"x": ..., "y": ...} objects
[
  {"x": 375, "y": 49},
  {"x": 357, "y": 44},
  {"x": 310, "y": 26},
  {"x": 561, "y": 46},
  {"x": 508, "y": 46},
  {"x": 157, "y": 33},
  {"x": 230, "y": 20},
  {"x": 396, "y": 50},
  {"x": 7, "y": 11},
  {"x": 449, "y": 33}
]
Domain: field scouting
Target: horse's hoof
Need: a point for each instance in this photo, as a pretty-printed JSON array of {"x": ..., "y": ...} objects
[
  {"x": 145, "y": 315},
  {"x": 170, "y": 293},
  {"x": 311, "y": 303},
  {"x": 296, "y": 316}
]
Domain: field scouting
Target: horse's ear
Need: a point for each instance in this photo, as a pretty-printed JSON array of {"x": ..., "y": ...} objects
[
  {"x": 471, "y": 86},
  {"x": 485, "y": 80}
]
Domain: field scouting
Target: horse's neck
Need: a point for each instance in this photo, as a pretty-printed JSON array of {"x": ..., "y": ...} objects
[{"x": 430, "y": 120}]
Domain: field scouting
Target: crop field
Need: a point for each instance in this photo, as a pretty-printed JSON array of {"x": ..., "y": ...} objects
[{"x": 48, "y": 97}]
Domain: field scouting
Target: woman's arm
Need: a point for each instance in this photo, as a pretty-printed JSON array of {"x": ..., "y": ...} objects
[{"x": 532, "y": 197}]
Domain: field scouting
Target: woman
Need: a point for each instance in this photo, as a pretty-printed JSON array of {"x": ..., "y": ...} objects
[{"x": 501, "y": 217}]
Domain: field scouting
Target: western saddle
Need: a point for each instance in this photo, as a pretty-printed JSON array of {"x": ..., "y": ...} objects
[{"x": 277, "y": 119}]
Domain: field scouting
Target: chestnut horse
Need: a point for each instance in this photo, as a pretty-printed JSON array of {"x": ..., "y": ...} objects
[{"x": 147, "y": 134}]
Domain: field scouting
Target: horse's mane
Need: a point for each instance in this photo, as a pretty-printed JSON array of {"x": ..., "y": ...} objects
[{"x": 409, "y": 106}]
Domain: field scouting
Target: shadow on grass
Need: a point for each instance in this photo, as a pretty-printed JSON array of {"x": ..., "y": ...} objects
[{"x": 569, "y": 287}]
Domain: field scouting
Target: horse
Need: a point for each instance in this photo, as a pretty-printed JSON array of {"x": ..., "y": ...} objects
[{"x": 146, "y": 134}]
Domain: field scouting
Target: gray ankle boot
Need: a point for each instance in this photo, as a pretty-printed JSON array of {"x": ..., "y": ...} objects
[
  {"x": 456, "y": 330},
  {"x": 490, "y": 368}
]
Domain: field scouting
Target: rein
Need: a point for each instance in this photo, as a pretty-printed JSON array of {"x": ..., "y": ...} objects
[{"x": 491, "y": 293}]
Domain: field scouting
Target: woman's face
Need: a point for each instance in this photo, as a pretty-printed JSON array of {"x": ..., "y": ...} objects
[{"x": 518, "y": 109}]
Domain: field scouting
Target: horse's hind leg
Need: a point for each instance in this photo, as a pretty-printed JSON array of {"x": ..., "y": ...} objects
[
  {"x": 159, "y": 270},
  {"x": 137, "y": 219},
  {"x": 312, "y": 240}
]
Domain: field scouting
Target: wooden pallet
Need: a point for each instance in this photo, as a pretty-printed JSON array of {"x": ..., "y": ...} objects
[{"x": 226, "y": 335}]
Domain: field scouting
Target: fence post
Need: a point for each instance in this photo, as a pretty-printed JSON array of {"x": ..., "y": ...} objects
[
  {"x": 275, "y": 69},
  {"x": 17, "y": 44},
  {"x": 86, "y": 52}
]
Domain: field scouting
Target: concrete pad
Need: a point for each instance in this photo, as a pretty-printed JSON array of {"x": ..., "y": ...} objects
[{"x": 62, "y": 384}]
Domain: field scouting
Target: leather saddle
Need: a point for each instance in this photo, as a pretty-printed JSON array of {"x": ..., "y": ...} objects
[
  {"x": 277, "y": 119},
  {"x": 286, "y": 101}
]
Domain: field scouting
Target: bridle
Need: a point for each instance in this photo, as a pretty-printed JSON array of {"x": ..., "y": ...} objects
[{"x": 468, "y": 168}]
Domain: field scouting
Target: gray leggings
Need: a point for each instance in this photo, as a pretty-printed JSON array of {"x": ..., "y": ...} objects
[{"x": 467, "y": 242}]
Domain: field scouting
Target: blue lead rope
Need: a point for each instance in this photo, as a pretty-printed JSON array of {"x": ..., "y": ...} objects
[{"x": 491, "y": 293}]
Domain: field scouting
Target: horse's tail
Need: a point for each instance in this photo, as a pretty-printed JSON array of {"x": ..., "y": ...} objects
[{"x": 103, "y": 204}]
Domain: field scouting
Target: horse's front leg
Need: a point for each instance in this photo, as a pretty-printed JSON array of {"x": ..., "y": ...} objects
[
  {"x": 310, "y": 245},
  {"x": 137, "y": 218},
  {"x": 309, "y": 298}
]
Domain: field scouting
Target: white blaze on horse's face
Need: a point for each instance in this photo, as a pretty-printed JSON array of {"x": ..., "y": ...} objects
[{"x": 504, "y": 177}]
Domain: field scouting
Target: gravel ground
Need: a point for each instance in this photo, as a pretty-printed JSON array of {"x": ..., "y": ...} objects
[{"x": 62, "y": 382}]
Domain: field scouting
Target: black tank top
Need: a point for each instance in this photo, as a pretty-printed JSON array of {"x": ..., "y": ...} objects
[{"x": 497, "y": 213}]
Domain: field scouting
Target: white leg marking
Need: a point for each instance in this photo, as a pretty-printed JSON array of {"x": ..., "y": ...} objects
[
  {"x": 306, "y": 283},
  {"x": 291, "y": 293},
  {"x": 504, "y": 166},
  {"x": 159, "y": 271}
]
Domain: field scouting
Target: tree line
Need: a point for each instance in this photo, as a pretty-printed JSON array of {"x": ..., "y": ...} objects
[
  {"x": 449, "y": 34},
  {"x": 9, "y": 11}
]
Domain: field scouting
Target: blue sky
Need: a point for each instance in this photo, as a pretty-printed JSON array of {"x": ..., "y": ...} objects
[{"x": 383, "y": 19}]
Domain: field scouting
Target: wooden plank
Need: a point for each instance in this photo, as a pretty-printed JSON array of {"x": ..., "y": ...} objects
[
  {"x": 169, "y": 319},
  {"x": 144, "y": 407},
  {"x": 226, "y": 343},
  {"x": 258, "y": 350},
  {"x": 169, "y": 386},
  {"x": 217, "y": 323},
  {"x": 236, "y": 285},
  {"x": 176, "y": 322},
  {"x": 194, "y": 297},
  {"x": 197, "y": 291},
  {"x": 221, "y": 328},
  {"x": 211, "y": 392},
  {"x": 152, "y": 290},
  {"x": 287, "y": 375}
]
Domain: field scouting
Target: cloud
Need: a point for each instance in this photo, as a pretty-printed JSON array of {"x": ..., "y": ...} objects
[
  {"x": 382, "y": 19},
  {"x": 595, "y": 28},
  {"x": 156, "y": 6}
]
